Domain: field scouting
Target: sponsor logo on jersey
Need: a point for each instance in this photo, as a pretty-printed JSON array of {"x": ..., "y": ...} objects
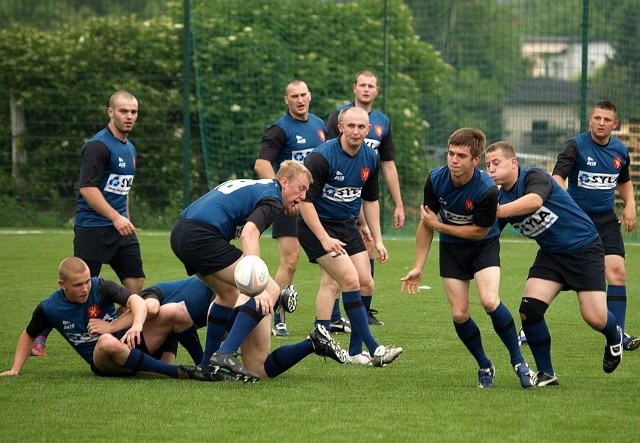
[
  {"x": 300, "y": 140},
  {"x": 617, "y": 163},
  {"x": 364, "y": 174},
  {"x": 339, "y": 176},
  {"x": 119, "y": 184},
  {"x": 379, "y": 130},
  {"x": 468, "y": 205},
  {"x": 592, "y": 180},
  {"x": 94, "y": 311},
  {"x": 300, "y": 155},
  {"x": 373, "y": 144},
  {"x": 121, "y": 163},
  {"x": 322, "y": 135},
  {"x": 68, "y": 325},
  {"x": 536, "y": 223},
  {"x": 455, "y": 219},
  {"x": 344, "y": 195},
  {"x": 591, "y": 162}
]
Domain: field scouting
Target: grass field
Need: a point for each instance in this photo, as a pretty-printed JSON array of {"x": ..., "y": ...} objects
[{"x": 428, "y": 394}]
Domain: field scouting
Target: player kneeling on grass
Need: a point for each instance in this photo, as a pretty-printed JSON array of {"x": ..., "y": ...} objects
[{"x": 76, "y": 310}]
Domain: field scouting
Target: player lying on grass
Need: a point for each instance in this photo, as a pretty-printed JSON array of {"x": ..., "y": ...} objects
[
  {"x": 194, "y": 298},
  {"x": 77, "y": 310}
]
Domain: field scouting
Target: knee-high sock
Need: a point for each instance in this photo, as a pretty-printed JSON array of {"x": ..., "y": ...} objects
[
  {"x": 219, "y": 319},
  {"x": 190, "y": 340},
  {"x": 469, "y": 334},
  {"x": 610, "y": 330},
  {"x": 286, "y": 357},
  {"x": 335, "y": 314},
  {"x": 139, "y": 361},
  {"x": 539, "y": 340},
  {"x": 246, "y": 321},
  {"x": 360, "y": 331},
  {"x": 617, "y": 303},
  {"x": 506, "y": 329}
]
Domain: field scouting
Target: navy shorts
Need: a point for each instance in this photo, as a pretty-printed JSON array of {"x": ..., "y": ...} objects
[
  {"x": 610, "y": 234},
  {"x": 581, "y": 270},
  {"x": 284, "y": 226},
  {"x": 346, "y": 230},
  {"x": 461, "y": 260},
  {"x": 104, "y": 244},
  {"x": 201, "y": 247}
]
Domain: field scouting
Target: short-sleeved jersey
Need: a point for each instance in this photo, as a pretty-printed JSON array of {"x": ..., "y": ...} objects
[
  {"x": 341, "y": 181},
  {"x": 192, "y": 291},
  {"x": 108, "y": 164},
  {"x": 593, "y": 171},
  {"x": 559, "y": 225},
  {"x": 71, "y": 319},
  {"x": 291, "y": 139},
  {"x": 474, "y": 203},
  {"x": 231, "y": 204},
  {"x": 379, "y": 138}
]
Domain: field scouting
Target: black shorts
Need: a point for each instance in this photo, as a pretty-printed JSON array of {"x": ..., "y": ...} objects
[
  {"x": 581, "y": 270},
  {"x": 104, "y": 244},
  {"x": 284, "y": 226},
  {"x": 461, "y": 260},
  {"x": 610, "y": 234},
  {"x": 347, "y": 231},
  {"x": 201, "y": 247}
]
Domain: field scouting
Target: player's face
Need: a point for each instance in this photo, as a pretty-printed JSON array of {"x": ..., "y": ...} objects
[
  {"x": 502, "y": 170},
  {"x": 294, "y": 191},
  {"x": 366, "y": 89},
  {"x": 297, "y": 99},
  {"x": 354, "y": 128},
  {"x": 461, "y": 163},
  {"x": 602, "y": 122},
  {"x": 77, "y": 286},
  {"x": 123, "y": 115}
]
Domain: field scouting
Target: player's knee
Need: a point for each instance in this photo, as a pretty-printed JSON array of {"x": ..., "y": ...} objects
[{"x": 532, "y": 310}]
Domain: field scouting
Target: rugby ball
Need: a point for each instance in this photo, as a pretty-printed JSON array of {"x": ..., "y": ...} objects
[{"x": 251, "y": 275}]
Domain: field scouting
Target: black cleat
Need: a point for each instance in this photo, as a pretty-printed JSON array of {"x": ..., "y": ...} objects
[
  {"x": 325, "y": 345},
  {"x": 373, "y": 321},
  {"x": 288, "y": 299},
  {"x": 229, "y": 365},
  {"x": 612, "y": 354},
  {"x": 545, "y": 379}
]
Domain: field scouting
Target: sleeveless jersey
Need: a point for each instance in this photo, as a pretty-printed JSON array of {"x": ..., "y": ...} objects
[
  {"x": 301, "y": 138},
  {"x": 228, "y": 205},
  {"x": 343, "y": 181},
  {"x": 593, "y": 180},
  {"x": 559, "y": 225},
  {"x": 71, "y": 319},
  {"x": 193, "y": 292},
  {"x": 473, "y": 203},
  {"x": 115, "y": 183}
]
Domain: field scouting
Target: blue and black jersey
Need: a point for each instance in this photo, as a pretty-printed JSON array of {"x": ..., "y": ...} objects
[
  {"x": 231, "y": 204},
  {"x": 594, "y": 171},
  {"x": 340, "y": 180},
  {"x": 559, "y": 225},
  {"x": 475, "y": 203},
  {"x": 195, "y": 294},
  {"x": 291, "y": 139},
  {"x": 108, "y": 164},
  {"x": 71, "y": 319}
]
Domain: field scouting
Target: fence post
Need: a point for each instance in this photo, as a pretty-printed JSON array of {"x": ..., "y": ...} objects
[{"x": 18, "y": 151}]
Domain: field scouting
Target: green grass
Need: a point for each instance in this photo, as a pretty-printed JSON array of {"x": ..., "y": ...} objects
[{"x": 428, "y": 394}]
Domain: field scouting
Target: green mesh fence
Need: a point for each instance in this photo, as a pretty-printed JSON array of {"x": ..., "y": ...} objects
[{"x": 526, "y": 71}]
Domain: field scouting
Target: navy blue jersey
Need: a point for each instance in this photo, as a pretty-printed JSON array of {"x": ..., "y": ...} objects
[
  {"x": 291, "y": 139},
  {"x": 231, "y": 204},
  {"x": 341, "y": 181},
  {"x": 379, "y": 138},
  {"x": 559, "y": 225},
  {"x": 593, "y": 171},
  {"x": 108, "y": 164},
  {"x": 475, "y": 203},
  {"x": 71, "y": 319},
  {"x": 195, "y": 294}
]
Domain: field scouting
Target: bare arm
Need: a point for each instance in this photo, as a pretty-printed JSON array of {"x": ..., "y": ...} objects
[
  {"x": 371, "y": 212},
  {"x": 311, "y": 219},
  {"x": 467, "y": 232},
  {"x": 393, "y": 183},
  {"x": 96, "y": 200},
  {"x": 138, "y": 309},
  {"x": 526, "y": 204},
  {"x": 561, "y": 181},
  {"x": 264, "y": 169},
  {"x": 628, "y": 216},
  {"x": 424, "y": 239},
  {"x": 23, "y": 350}
]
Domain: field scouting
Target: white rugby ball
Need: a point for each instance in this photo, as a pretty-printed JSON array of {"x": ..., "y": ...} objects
[{"x": 251, "y": 275}]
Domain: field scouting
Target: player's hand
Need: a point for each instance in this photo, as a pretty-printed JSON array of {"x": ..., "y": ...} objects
[
  {"x": 98, "y": 326},
  {"x": 383, "y": 254},
  {"x": 628, "y": 217},
  {"x": 411, "y": 281},
  {"x": 334, "y": 246},
  {"x": 428, "y": 217},
  {"x": 9, "y": 372},
  {"x": 264, "y": 303},
  {"x": 124, "y": 226},
  {"x": 133, "y": 336},
  {"x": 398, "y": 217}
]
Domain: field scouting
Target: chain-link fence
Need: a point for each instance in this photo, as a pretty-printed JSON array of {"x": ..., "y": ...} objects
[{"x": 522, "y": 71}]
